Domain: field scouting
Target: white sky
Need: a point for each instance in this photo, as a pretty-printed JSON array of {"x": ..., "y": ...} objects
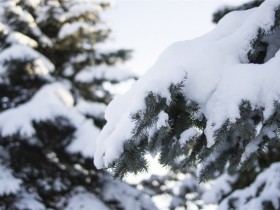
[{"x": 149, "y": 26}]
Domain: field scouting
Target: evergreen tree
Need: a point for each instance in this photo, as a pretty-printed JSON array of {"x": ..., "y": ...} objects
[
  {"x": 53, "y": 75},
  {"x": 212, "y": 104}
]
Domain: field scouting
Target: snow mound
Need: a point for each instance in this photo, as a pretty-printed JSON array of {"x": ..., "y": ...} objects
[{"x": 219, "y": 78}]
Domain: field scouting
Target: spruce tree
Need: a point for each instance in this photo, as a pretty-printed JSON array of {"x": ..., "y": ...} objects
[
  {"x": 53, "y": 75},
  {"x": 213, "y": 104}
]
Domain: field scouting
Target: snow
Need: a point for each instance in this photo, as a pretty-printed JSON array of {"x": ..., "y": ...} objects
[
  {"x": 162, "y": 201},
  {"x": 8, "y": 3},
  {"x": 75, "y": 10},
  {"x": 51, "y": 101},
  {"x": 103, "y": 72},
  {"x": 253, "y": 146},
  {"x": 25, "y": 16},
  {"x": 224, "y": 71},
  {"x": 95, "y": 1},
  {"x": 19, "y": 12},
  {"x": 28, "y": 19},
  {"x": 162, "y": 120},
  {"x": 95, "y": 109},
  {"x": 43, "y": 13},
  {"x": 129, "y": 197},
  {"x": 33, "y": 3},
  {"x": 264, "y": 188},
  {"x": 81, "y": 8},
  {"x": 3, "y": 28},
  {"x": 46, "y": 103},
  {"x": 188, "y": 135},
  {"x": 83, "y": 200},
  {"x": 177, "y": 191},
  {"x": 20, "y": 52},
  {"x": 8, "y": 183},
  {"x": 80, "y": 57},
  {"x": 69, "y": 29},
  {"x": 84, "y": 141},
  {"x": 217, "y": 189},
  {"x": 19, "y": 38},
  {"x": 30, "y": 201}
]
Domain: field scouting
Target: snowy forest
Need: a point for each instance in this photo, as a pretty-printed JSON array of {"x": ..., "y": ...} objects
[{"x": 208, "y": 111}]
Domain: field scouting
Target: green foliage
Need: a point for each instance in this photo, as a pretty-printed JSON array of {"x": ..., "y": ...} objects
[
  {"x": 147, "y": 136},
  {"x": 226, "y": 154}
]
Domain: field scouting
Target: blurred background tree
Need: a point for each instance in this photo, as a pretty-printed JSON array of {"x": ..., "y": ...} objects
[{"x": 54, "y": 68}]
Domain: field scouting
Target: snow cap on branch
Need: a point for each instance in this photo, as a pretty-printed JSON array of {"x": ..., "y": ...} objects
[{"x": 219, "y": 77}]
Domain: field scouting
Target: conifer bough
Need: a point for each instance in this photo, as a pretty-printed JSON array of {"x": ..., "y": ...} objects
[{"x": 212, "y": 103}]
